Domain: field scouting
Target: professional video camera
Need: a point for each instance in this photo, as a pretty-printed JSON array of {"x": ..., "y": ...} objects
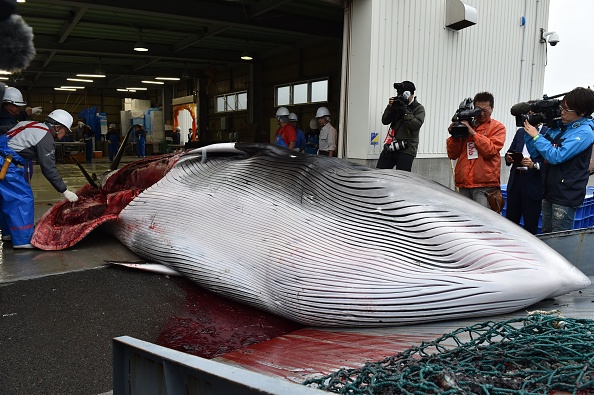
[
  {"x": 465, "y": 112},
  {"x": 545, "y": 111}
]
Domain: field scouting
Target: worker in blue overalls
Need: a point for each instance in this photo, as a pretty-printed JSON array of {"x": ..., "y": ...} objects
[
  {"x": 28, "y": 141},
  {"x": 140, "y": 135},
  {"x": 113, "y": 141}
]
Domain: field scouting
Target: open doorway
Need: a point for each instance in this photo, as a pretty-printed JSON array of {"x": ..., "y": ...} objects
[{"x": 184, "y": 116}]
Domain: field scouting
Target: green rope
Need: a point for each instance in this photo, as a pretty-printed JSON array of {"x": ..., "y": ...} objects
[{"x": 533, "y": 355}]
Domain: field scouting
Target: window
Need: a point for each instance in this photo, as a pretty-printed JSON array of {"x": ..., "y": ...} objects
[
  {"x": 319, "y": 91},
  {"x": 314, "y": 91},
  {"x": 236, "y": 101}
]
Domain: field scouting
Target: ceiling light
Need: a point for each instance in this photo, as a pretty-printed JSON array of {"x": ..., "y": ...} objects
[
  {"x": 140, "y": 46},
  {"x": 72, "y": 87},
  {"x": 5, "y": 72},
  {"x": 167, "y": 78},
  {"x": 152, "y": 82},
  {"x": 65, "y": 89},
  {"x": 139, "y": 89},
  {"x": 91, "y": 75},
  {"x": 3, "y": 78},
  {"x": 78, "y": 80},
  {"x": 122, "y": 90},
  {"x": 246, "y": 56}
]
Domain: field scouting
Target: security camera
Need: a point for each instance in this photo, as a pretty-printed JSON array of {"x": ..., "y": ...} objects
[
  {"x": 550, "y": 37},
  {"x": 554, "y": 39}
]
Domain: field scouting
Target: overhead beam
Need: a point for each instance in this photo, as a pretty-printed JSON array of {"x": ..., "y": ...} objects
[
  {"x": 110, "y": 48},
  {"x": 208, "y": 12},
  {"x": 265, "y": 6},
  {"x": 191, "y": 40},
  {"x": 68, "y": 27}
]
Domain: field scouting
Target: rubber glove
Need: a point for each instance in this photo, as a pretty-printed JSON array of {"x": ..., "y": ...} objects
[
  {"x": 36, "y": 110},
  {"x": 71, "y": 196}
]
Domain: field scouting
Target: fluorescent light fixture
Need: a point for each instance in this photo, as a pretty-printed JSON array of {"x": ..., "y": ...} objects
[
  {"x": 168, "y": 78},
  {"x": 65, "y": 89},
  {"x": 122, "y": 90},
  {"x": 21, "y": 1},
  {"x": 140, "y": 46},
  {"x": 152, "y": 82},
  {"x": 4, "y": 72},
  {"x": 139, "y": 89},
  {"x": 78, "y": 80},
  {"x": 72, "y": 87},
  {"x": 3, "y": 78},
  {"x": 91, "y": 75},
  {"x": 246, "y": 56}
]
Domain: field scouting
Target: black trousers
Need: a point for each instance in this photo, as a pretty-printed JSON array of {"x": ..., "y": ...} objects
[
  {"x": 520, "y": 205},
  {"x": 389, "y": 159}
]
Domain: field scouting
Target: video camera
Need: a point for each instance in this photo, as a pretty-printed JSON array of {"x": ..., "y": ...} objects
[
  {"x": 466, "y": 112},
  {"x": 544, "y": 111}
]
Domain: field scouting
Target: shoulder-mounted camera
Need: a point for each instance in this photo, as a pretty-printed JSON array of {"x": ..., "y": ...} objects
[
  {"x": 466, "y": 112},
  {"x": 546, "y": 111}
]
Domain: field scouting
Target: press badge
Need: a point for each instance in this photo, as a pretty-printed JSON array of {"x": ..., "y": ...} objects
[{"x": 471, "y": 151}]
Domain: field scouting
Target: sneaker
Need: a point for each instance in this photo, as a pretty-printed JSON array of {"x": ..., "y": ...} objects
[
  {"x": 24, "y": 246},
  {"x": 6, "y": 238}
]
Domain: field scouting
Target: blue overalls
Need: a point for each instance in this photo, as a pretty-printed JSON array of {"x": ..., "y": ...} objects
[
  {"x": 113, "y": 145},
  {"x": 17, "y": 217},
  {"x": 141, "y": 144},
  {"x": 279, "y": 140}
]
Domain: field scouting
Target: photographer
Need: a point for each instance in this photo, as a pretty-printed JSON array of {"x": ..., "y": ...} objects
[
  {"x": 566, "y": 150},
  {"x": 405, "y": 115},
  {"x": 478, "y": 165}
]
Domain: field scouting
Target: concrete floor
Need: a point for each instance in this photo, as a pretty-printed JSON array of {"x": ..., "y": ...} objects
[{"x": 90, "y": 253}]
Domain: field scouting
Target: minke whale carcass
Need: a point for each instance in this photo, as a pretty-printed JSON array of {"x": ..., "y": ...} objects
[{"x": 318, "y": 240}]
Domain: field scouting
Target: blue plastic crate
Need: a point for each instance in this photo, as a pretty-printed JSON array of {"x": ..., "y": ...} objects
[{"x": 584, "y": 216}]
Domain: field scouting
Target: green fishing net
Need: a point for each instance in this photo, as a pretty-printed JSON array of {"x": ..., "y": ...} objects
[{"x": 539, "y": 354}]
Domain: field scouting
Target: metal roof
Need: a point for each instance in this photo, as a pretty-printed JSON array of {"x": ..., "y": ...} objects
[{"x": 184, "y": 37}]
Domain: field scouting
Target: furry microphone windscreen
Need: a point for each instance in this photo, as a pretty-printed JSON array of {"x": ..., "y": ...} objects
[{"x": 16, "y": 44}]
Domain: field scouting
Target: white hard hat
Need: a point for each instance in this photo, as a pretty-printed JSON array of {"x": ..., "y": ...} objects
[
  {"x": 60, "y": 117},
  {"x": 112, "y": 126},
  {"x": 178, "y": 128},
  {"x": 293, "y": 117},
  {"x": 322, "y": 112},
  {"x": 13, "y": 96},
  {"x": 282, "y": 111}
]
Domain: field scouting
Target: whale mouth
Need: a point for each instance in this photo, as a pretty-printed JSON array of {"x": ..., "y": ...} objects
[{"x": 66, "y": 224}]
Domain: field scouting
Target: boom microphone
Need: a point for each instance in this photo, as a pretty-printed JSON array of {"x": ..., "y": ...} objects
[
  {"x": 16, "y": 44},
  {"x": 520, "y": 108}
]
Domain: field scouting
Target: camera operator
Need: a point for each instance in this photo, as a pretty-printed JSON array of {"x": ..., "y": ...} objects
[
  {"x": 478, "y": 166},
  {"x": 566, "y": 151},
  {"x": 405, "y": 115}
]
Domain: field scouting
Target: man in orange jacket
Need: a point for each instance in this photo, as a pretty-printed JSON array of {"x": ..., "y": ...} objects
[{"x": 478, "y": 165}]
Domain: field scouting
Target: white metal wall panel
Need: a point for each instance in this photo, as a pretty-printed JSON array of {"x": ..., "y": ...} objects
[{"x": 396, "y": 40}]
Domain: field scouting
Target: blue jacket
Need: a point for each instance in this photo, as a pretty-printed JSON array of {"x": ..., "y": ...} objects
[
  {"x": 567, "y": 155},
  {"x": 300, "y": 142}
]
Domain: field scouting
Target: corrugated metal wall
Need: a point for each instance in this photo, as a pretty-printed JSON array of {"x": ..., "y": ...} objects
[{"x": 396, "y": 40}]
